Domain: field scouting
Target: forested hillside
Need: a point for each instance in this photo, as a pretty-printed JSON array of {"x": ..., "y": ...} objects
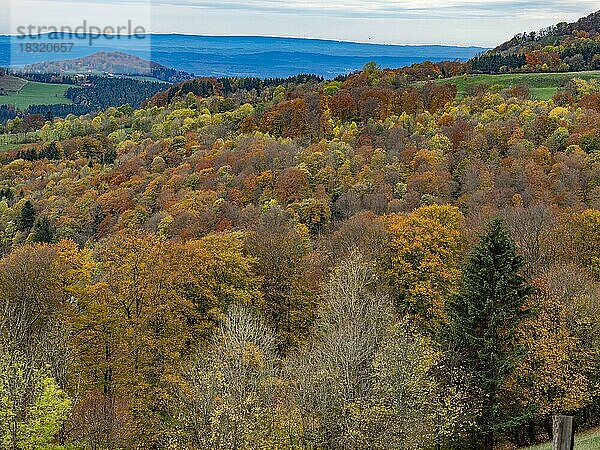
[
  {"x": 561, "y": 48},
  {"x": 366, "y": 263},
  {"x": 115, "y": 63}
]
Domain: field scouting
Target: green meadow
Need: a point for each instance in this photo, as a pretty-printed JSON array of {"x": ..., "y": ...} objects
[
  {"x": 33, "y": 93},
  {"x": 543, "y": 85}
]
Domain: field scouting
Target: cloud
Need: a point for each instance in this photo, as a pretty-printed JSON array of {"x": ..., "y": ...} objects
[
  {"x": 377, "y": 8},
  {"x": 406, "y": 8},
  {"x": 463, "y": 22}
]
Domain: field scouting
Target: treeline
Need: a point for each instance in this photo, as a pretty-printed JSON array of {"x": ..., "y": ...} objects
[
  {"x": 169, "y": 75},
  {"x": 583, "y": 54},
  {"x": 496, "y": 63},
  {"x": 96, "y": 93},
  {"x": 549, "y": 34},
  {"x": 7, "y": 112},
  {"x": 105, "y": 92},
  {"x": 49, "y": 112},
  {"x": 423, "y": 71},
  {"x": 232, "y": 85},
  {"x": 51, "y": 78},
  {"x": 156, "y": 71},
  {"x": 210, "y": 86},
  {"x": 589, "y": 24}
]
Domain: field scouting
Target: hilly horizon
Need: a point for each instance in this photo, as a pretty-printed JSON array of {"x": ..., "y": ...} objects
[{"x": 249, "y": 56}]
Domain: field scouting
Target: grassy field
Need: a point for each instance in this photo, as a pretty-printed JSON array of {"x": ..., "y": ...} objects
[
  {"x": 22, "y": 93},
  {"x": 33, "y": 93},
  {"x": 585, "y": 441},
  {"x": 543, "y": 85}
]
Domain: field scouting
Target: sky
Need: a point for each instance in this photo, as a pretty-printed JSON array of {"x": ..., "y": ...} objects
[{"x": 454, "y": 22}]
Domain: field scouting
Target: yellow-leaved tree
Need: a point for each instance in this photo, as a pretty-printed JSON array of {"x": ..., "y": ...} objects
[
  {"x": 156, "y": 301},
  {"x": 551, "y": 379},
  {"x": 422, "y": 265}
]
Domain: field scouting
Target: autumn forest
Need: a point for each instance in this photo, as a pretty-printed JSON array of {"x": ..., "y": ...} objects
[{"x": 371, "y": 262}]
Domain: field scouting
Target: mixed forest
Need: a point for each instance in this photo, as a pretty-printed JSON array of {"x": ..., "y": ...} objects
[
  {"x": 565, "y": 47},
  {"x": 364, "y": 263}
]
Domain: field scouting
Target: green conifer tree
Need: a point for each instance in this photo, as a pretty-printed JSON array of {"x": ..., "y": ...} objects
[
  {"x": 27, "y": 216},
  {"x": 42, "y": 231},
  {"x": 481, "y": 332}
]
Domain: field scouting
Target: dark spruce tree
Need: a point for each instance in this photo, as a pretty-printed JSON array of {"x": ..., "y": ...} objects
[
  {"x": 27, "y": 216},
  {"x": 481, "y": 331},
  {"x": 42, "y": 231}
]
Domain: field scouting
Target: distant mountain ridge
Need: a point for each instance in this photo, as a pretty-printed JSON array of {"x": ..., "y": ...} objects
[{"x": 243, "y": 56}]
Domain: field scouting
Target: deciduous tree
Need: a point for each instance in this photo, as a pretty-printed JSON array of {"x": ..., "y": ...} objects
[{"x": 423, "y": 261}]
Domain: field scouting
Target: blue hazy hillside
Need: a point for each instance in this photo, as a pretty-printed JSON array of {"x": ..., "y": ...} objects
[{"x": 244, "y": 56}]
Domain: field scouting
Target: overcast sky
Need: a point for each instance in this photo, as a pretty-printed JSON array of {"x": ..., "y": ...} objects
[{"x": 460, "y": 22}]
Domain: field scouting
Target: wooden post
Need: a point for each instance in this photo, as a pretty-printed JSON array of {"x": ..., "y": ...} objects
[{"x": 563, "y": 433}]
